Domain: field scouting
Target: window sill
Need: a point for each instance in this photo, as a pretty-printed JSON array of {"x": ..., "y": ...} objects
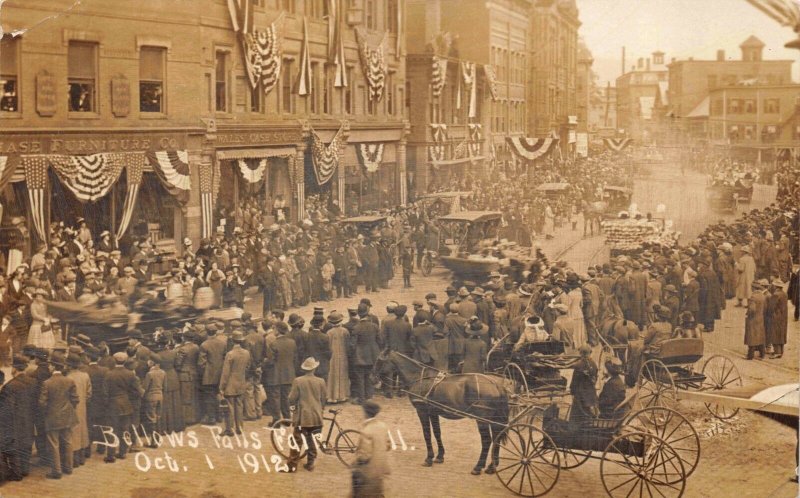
[
  {"x": 152, "y": 115},
  {"x": 10, "y": 115},
  {"x": 83, "y": 115},
  {"x": 223, "y": 115}
]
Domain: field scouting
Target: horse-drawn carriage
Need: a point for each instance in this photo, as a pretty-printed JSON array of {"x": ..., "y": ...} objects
[
  {"x": 461, "y": 235},
  {"x": 722, "y": 198},
  {"x": 532, "y": 371}
]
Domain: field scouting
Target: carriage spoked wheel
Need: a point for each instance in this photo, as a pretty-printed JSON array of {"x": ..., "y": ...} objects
[
  {"x": 642, "y": 464},
  {"x": 571, "y": 459},
  {"x": 656, "y": 386},
  {"x": 283, "y": 439},
  {"x": 526, "y": 465},
  {"x": 720, "y": 373},
  {"x": 673, "y": 428}
]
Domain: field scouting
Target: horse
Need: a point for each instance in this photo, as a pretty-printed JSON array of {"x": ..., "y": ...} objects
[
  {"x": 593, "y": 214},
  {"x": 435, "y": 394}
]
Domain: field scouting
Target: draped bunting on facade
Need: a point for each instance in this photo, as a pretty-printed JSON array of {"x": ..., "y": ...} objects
[
  {"x": 461, "y": 150},
  {"x": 475, "y": 138},
  {"x": 617, "y": 144},
  {"x": 373, "y": 64},
  {"x": 134, "y": 169},
  {"x": 438, "y": 75},
  {"x": 304, "y": 80},
  {"x": 325, "y": 159},
  {"x": 7, "y": 167},
  {"x": 90, "y": 177},
  {"x": 370, "y": 156},
  {"x": 470, "y": 82},
  {"x": 36, "y": 181},
  {"x": 491, "y": 79},
  {"x": 261, "y": 49},
  {"x": 250, "y": 174},
  {"x": 530, "y": 148},
  {"x": 172, "y": 169},
  {"x": 206, "y": 174},
  {"x": 437, "y": 150}
]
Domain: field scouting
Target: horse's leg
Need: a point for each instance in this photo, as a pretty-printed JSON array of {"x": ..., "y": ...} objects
[
  {"x": 437, "y": 433},
  {"x": 484, "y": 431},
  {"x": 424, "y": 420},
  {"x": 494, "y": 434}
]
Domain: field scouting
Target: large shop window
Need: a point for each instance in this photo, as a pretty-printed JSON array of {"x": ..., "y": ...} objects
[
  {"x": 82, "y": 76},
  {"x": 151, "y": 79},
  {"x": 236, "y": 194},
  {"x": 9, "y": 71},
  {"x": 221, "y": 88}
]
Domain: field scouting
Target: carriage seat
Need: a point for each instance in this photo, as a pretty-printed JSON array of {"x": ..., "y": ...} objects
[{"x": 680, "y": 351}]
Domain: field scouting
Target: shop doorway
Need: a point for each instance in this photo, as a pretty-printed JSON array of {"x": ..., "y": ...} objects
[{"x": 254, "y": 197}]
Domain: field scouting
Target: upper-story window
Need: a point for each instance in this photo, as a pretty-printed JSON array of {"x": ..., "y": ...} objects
[
  {"x": 371, "y": 14},
  {"x": 286, "y": 87},
  {"x": 288, "y": 5},
  {"x": 82, "y": 76},
  {"x": 750, "y": 106},
  {"x": 9, "y": 74},
  {"x": 392, "y": 22},
  {"x": 316, "y": 8},
  {"x": 221, "y": 88},
  {"x": 734, "y": 106},
  {"x": 151, "y": 79},
  {"x": 772, "y": 106}
]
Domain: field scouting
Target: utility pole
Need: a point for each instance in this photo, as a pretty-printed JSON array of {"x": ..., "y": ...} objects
[
  {"x": 608, "y": 103},
  {"x": 623, "y": 61}
]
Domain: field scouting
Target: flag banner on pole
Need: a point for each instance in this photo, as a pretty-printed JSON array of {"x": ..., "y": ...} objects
[
  {"x": 437, "y": 150},
  {"x": 90, "y": 177},
  {"x": 172, "y": 169},
  {"x": 333, "y": 27},
  {"x": 241, "y": 12},
  {"x": 491, "y": 79},
  {"x": 370, "y": 156},
  {"x": 530, "y": 148},
  {"x": 475, "y": 138},
  {"x": 617, "y": 144},
  {"x": 8, "y": 166},
  {"x": 36, "y": 182},
  {"x": 304, "y": 81},
  {"x": 438, "y": 76},
  {"x": 468, "y": 72},
  {"x": 134, "y": 169},
  {"x": 338, "y": 57},
  {"x": 206, "y": 174},
  {"x": 373, "y": 64},
  {"x": 325, "y": 159},
  {"x": 250, "y": 174}
]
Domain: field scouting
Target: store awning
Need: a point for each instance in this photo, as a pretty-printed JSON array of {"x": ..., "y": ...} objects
[{"x": 255, "y": 153}]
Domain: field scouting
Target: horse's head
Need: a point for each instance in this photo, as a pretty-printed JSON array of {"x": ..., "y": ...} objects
[{"x": 384, "y": 367}]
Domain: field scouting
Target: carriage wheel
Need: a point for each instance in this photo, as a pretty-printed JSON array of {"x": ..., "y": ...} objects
[
  {"x": 514, "y": 379},
  {"x": 656, "y": 386},
  {"x": 644, "y": 462},
  {"x": 673, "y": 428},
  {"x": 571, "y": 459},
  {"x": 427, "y": 265},
  {"x": 283, "y": 439},
  {"x": 525, "y": 465},
  {"x": 346, "y": 445},
  {"x": 721, "y": 373}
]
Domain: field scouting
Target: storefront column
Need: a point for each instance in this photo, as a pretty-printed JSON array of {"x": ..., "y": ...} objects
[
  {"x": 401, "y": 171},
  {"x": 299, "y": 178},
  {"x": 341, "y": 173}
]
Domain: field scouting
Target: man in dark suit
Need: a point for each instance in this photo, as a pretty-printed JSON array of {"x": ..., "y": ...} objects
[
  {"x": 212, "y": 357},
  {"x": 19, "y": 404},
  {"x": 296, "y": 322},
  {"x": 279, "y": 372},
  {"x": 233, "y": 382},
  {"x": 422, "y": 337},
  {"x": 97, "y": 405},
  {"x": 397, "y": 337},
  {"x": 455, "y": 327},
  {"x": 365, "y": 352},
  {"x": 124, "y": 389},
  {"x": 186, "y": 363},
  {"x": 58, "y": 399}
]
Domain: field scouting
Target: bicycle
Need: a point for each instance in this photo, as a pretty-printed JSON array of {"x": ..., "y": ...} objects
[{"x": 344, "y": 446}]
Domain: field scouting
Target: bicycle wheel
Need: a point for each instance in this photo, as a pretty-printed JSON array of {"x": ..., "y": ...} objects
[
  {"x": 283, "y": 439},
  {"x": 345, "y": 446},
  {"x": 427, "y": 265}
]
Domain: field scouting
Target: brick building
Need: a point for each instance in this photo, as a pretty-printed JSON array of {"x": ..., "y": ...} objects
[
  {"x": 170, "y": 79},
  {"x": 479, "y": 53},
  {"x": 640, "y": 96}
]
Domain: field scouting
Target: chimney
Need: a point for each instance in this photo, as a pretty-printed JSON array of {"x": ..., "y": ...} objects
[
  {"x": 720, "y": 55},
  {"x": 673, "y": 59},
  {"x": 648, "y": 63},
  {"x": 640, "y": 63}
]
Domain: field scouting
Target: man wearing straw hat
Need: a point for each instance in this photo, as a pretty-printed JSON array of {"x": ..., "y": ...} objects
[{"x": 307, "y": 397}]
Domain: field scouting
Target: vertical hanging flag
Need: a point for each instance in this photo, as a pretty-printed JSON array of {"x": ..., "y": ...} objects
[
  {"x": 134, "y": 168},
  {"x": 491, "y": 79},
  {"x": 340, "y": 74},
  {"x": 468, "y": 71},
  {"x": 241, "y": 12},
  {"x": 304, "y": 81},
  {"x": 36, "y": 181},
  {"x": 206, "y": 173},
  {"x": 438, "y": 75},
  {"x": 333, "y": 27}
]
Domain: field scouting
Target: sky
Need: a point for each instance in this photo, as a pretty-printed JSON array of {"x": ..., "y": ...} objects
[{"x": 679, "y": 28}]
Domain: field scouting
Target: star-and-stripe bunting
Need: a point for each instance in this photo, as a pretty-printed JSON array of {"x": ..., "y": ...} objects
[
  {"x": 373, "y": 65},
  {"x": 530, "y": 148},
  {"x": 304, "y": 81},
  {"x": 325, "y": 159},
  {"x": 8, "y": 164},
  {"x": 36, "y": 180},
  {"x": 172, "y": 169},
  {"x": 475, "y": 138},
  {"x": 437, "y": 150},
  {"x": 252, "y": 175},
  {"x": 90, "y": 177},
  {"x": 468, "y": 73},
  {"x": 206, "y": 174},
  {"x": 491, "y": 79},
  {"x": 370, "y": 155},
  {"x": 617, "y": 144},
  {"x": 263, "y": 54},
  {"x": 438, "y": 75},
  {"x": 134, "y": 170}
]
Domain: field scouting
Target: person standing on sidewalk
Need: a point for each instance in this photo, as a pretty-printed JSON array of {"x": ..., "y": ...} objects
[
  {"x": 58, "y": 399},
  {"x": 307, "y": 396},
  {"x": 233, "y": 383}
]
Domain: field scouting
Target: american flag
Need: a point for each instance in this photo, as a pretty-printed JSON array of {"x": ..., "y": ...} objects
[
  {"x": 36, "y": 179},
  {"x": 206, "y": 199},
  {"x": 134, "y": 168},
  {"x": 304, "y": 85}
]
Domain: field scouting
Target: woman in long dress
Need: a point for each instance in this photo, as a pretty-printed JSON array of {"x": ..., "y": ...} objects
[
  {"x": 172, "y": 410},
  {"x": 338, "y": 384},
  {"x": 215, "y": 279},
  {"x": 40, "y": 334},
  {"x": 574, "y": 302}
]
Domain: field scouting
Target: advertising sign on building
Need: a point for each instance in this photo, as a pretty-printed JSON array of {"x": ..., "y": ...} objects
[{"x": 582, "y": 144}]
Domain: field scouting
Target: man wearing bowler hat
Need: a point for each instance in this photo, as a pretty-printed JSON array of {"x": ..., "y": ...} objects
[
  {"x": 58, "y": 399},
  {"x": 307, "y": 396}
]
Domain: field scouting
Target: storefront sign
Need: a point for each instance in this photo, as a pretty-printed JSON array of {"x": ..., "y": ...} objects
[
  {"x": 45, "y": 93},
  {"x": 582, "y": 145},
  {"x": 259, "y": 137},
  {"x": 120, "y": 96},
  {"x": 90, "y": 144}
]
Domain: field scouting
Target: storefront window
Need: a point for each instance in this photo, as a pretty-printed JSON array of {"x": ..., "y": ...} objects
[
  {"x": 154, "y": 215},
  {"x": 286, "y": 86},
  {"x": 151, "y": 79},
  {"x": 9, "y": 74},
  {"x": 82, "y": 79}
]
